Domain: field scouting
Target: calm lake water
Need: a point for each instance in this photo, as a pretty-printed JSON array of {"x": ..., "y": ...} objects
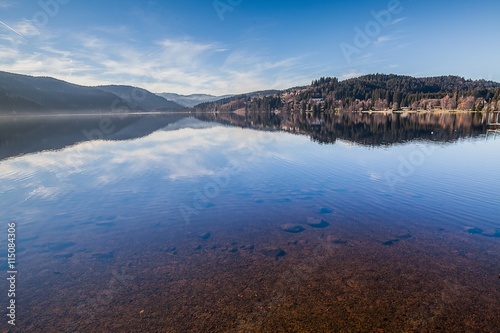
[{"x": 179, "y": 224}]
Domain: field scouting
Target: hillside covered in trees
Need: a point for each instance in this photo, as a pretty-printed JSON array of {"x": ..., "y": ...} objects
[
  {"x": 38, "y": 95},
  {"x": 374, "y": 92}
]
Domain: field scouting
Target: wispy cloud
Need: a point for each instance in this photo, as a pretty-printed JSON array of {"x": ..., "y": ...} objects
[
  {"x": 182, "y": 65},
  {"x": 396, "y": 21},
  {"x": 27, "y": 28},
  {"x": 350, "y": 74},
  {"x": 5, "y": 4},
  {"x": 165, "y": 46},
  {"x": 113, "y": 30},
  {"x": 382, "y": 39},
  {"x": 186, "y": 51}
]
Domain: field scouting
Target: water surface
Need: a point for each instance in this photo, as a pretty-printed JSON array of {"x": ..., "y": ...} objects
[{"x": 178, "y": 224}]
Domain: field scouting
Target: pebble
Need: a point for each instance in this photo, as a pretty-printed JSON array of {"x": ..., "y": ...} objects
[
  {"x": 317, "y": 223},
  {"x": 293, "y": 228},
  {"x": 205, "y": 235},
  {"x": 275, "y": 252}
]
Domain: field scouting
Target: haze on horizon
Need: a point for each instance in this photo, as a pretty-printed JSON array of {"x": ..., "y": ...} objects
[{"x": 235, "y": 46}]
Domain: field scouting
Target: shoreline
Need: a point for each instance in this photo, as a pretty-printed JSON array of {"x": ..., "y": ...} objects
[
  {"x": 21, "y": 116},
  {"x": 116, "y": 114},
  {"x": 427, "y": 111}
]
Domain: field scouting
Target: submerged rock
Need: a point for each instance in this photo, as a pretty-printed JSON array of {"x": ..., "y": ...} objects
[
  {"x": 390, "y": 242},
  {"x": 293, "y": 228},
  {"x": 205, "y": 235},
  {"x": 248, "y": 247},
  {"x": 275, "y": 252},
  {"x": 317, "y": 223},
  {"x": 475, "y": 230},
  {"x": 325, "y": 210},
  {"x": 496, "y": 234}
]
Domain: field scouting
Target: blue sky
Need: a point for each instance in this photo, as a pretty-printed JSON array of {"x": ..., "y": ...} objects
[{"x": 237, "y": 46}]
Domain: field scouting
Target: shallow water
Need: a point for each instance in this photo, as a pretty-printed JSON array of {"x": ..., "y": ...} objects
[{"x": 177, "y": 224}]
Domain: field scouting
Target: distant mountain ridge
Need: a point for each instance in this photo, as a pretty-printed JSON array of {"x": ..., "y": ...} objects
[
  {"x": 195, "y": 100},
  {"x": 28, "y": 93},
  {"x": 239, "y": 99},
  {"x": 191, "y": 100},
  {"x": 24, "y": 93},
  {"x": 141, "y": 97}
]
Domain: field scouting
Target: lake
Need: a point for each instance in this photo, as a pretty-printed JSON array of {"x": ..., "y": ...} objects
[{"x": 215, "y": 223}]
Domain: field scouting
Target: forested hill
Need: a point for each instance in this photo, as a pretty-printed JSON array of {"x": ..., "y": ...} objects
[
  {"x": 30, "y": 94},
  {"x": 23, "y": 93},
  {"x": 373, "y": 92},
  {"x": 396, "y": 91}
]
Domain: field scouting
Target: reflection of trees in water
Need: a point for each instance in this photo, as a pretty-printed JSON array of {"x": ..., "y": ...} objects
[{"x": 363, "y": 128}]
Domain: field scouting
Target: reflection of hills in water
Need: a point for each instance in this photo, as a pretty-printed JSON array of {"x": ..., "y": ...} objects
[
  {"x": 29, "y": 135},
  {"x": 22, "y": 135},
  {"x": 365, "y": 128}
]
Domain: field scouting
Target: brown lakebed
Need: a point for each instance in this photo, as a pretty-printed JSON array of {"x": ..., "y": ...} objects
[{"x": 340, "y": 278}]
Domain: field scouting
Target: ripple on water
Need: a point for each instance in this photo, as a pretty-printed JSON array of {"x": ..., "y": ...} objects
[
  {"x": 59, "y": 246},
  {"x": 106, "y": 224},
  {"x": 63, "y": 256},
  {"x": 107, "y": 255}
]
